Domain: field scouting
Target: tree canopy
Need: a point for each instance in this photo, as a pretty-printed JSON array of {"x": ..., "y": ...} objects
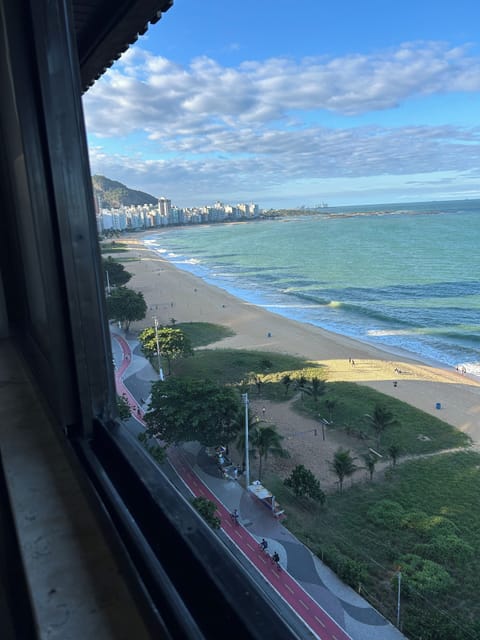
[
  {"x": 172, "y": 343},
  {"x": 208, "y": 510},
  {"x": 125, "y": 305},
  {"x": 123, "y": 408},
  {"x": 185, "y": 410},
  {"x": 303, "y": 483},
  {"x": 117, "y": 276}
]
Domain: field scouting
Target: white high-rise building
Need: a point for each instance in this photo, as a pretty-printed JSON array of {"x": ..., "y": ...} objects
[{"x": 164, "y": 206}]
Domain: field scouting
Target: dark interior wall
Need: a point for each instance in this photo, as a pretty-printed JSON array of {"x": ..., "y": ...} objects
[
  {"x": 55, "y": 309},
  {"x": 49, "y": 255}
]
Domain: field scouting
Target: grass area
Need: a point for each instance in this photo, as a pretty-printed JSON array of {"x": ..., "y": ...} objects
[
  {"x": 428, "y": 508},
  {"x": 124, "y": 259},
  {"x": 273, "y": 388},
  {"x": 232, "y": 366},
  {"x": 113, "y": 247},
  {"x": 204, "y": 333},
  {"x": 353, "y": 402}
]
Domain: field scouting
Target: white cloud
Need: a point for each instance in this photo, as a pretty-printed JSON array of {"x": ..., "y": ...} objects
[
  {"x": 268, "y": 162},
  {"x": 147, "y": 92},
  {"x": 240, "y": 130}
]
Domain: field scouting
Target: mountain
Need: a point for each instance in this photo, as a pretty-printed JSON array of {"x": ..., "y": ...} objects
[{"x": 112, "y": 194}]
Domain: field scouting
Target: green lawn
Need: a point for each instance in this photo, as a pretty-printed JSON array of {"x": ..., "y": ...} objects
[
  {"x": 204, "y": 333},
  {"x": 427, "y": 507},
  {"x": 232, "y": 366},
  {"x": 113, "y": 247},
  {"x": 124, "y": 259}
]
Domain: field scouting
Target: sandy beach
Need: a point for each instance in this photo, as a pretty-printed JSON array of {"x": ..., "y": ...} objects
[{"x": 173, "y": 293}]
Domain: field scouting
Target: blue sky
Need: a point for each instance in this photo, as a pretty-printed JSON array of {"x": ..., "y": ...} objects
[{"x": 295, "y": 103}]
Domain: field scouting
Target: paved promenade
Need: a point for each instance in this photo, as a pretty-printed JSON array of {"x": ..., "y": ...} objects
[{"x": 330, "y": 609}]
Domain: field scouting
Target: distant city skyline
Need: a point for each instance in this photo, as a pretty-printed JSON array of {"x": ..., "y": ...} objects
[
  {"x": 163, "y": 214},
  {"x": 351, "y": 103}
]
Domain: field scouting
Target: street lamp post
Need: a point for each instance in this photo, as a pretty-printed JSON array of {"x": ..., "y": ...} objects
[
  {"x": 160, "y": 371},
  {"x": 247, "y": 458},
  {"x": 399, "y": 588}
]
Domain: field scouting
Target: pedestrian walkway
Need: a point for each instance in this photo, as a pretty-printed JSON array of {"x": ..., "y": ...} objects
[
  {"x": 133, "y": 375},
  {"x": 331, "y": 609},
  {"x": 351, "y": 613}
]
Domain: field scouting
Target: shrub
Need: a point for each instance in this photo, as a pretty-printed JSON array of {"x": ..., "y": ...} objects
[
  {"x": 436, "y": 525},
  {"x": 446, "y": 548},
  {"x": 434, "y": 624},
  {"x": 423, "y": 576},
  {"x": 386, "y": 513},
  {"x": 414, "y": 520},
  {"x": 303, "y": 483},
  {"x": 207, "y": 509},
  {"x": 352, "y": 572},
  {"x": 428, "y": 526}
]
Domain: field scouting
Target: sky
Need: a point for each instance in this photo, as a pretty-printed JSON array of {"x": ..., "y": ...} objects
[{"x": 290, "y": 104}]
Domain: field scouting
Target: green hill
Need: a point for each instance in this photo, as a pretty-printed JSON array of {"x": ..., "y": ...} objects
[{"x": 112, "y": 194}]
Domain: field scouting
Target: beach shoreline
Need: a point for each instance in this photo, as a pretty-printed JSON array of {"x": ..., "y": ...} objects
[{"x": 173, "y": 293}]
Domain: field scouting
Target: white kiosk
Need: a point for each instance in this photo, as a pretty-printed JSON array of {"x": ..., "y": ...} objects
[{"x": 266, "y": 498}]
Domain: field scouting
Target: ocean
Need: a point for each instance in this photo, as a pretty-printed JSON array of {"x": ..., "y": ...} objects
[{"x": 404, "y": 277}]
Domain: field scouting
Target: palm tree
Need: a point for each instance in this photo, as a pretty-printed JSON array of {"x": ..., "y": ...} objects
[
  {"x": 380, "y": 419},
  {"x": 370, "y": 462},
  {"x": 317, "y": 388},
  {"x": 301, "y": 384},
  {"x": 253, "y": 425},
  {"x": 394, "y": 451},
  {"x": 330, "y": 406},
  {"x": 267, "y": 440},
  {"x": 343, "y": 465},
  {"x": 287, "y": 381}
]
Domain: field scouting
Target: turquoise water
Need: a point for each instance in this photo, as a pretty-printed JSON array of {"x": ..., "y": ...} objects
[{"x": 403, "y": 277}]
